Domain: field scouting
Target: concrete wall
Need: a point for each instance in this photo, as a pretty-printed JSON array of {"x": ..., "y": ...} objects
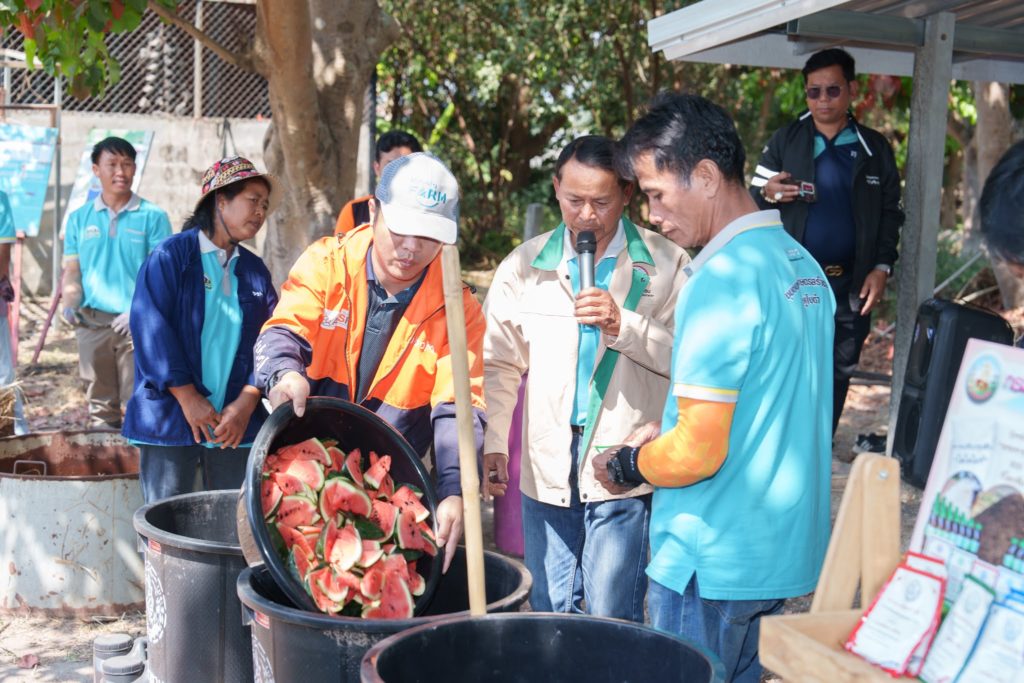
[{"x": 183, "y": 148}]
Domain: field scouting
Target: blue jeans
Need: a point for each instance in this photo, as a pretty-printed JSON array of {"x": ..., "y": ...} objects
[
  {"x": 594, "y": 551},
  {"x": 166, "y": 471},
  {"x": 729, "y": 628},
  {"x": 7, "y": 371}
]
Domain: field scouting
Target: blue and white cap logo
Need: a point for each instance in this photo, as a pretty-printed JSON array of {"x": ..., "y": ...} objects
[{"x": 419, "y": 196}]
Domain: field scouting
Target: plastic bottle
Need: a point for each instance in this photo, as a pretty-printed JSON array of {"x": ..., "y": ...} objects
[
  {"x": 123, "y": 669},
  {"x": 129, "y": 668},
  {"x": 107, "y": 646}
]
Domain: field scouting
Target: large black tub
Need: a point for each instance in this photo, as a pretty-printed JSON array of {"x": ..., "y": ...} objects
[
  {"x": 526, "y": 648},
  {"x": 289, "y": 644},
  {"x": 193, "y": 617}
]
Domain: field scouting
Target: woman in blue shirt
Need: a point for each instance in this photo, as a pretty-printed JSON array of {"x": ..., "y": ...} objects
[{"x": 200, "y": 301}]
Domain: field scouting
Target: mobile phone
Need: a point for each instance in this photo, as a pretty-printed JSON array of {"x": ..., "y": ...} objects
[{"x": 806, "y": 191}]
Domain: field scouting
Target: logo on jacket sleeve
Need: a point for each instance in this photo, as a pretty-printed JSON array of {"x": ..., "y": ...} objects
[{"x": 871, "y": 180}]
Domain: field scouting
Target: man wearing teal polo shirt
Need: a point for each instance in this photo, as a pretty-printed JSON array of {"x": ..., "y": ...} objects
[
  {"x": 105, "y": 243},
  {"x": 597, "y": 360},
  {"x": 740, "y": 515}
]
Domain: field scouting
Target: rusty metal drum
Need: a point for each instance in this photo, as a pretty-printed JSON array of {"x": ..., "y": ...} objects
[{"x": 67, "y": 545}]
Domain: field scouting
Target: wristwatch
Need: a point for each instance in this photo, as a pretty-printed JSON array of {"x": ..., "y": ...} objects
[
  {"x": 275, "y": 378},
  {"x": 885, "y": 268}
]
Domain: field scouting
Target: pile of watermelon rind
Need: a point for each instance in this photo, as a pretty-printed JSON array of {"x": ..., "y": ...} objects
[{"x": 348, "y": 536}]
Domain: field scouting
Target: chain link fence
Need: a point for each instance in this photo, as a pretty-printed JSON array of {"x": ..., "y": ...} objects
[{"x": 158, "y": 69}]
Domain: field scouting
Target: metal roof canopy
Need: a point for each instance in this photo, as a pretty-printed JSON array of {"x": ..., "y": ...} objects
[
  {"x": 934, "y": 41},
  {"x": 882, "y": 35}
]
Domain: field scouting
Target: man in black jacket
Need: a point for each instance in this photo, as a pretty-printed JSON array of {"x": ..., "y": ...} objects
[{"x": 836, "y": 185}]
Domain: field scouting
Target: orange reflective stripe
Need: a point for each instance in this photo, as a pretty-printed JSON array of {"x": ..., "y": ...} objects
[{"x": 694, "y": 449}]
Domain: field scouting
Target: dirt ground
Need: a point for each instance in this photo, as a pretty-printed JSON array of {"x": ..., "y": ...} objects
[{"x": 41, "y": 649}]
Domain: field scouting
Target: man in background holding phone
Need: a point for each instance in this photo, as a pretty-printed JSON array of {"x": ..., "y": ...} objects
[{"x": 836, "y": 185}]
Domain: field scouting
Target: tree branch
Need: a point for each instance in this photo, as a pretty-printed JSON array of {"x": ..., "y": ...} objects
[{"x": 242, "y": 61}]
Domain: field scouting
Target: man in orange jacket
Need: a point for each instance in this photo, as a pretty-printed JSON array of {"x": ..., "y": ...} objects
[
  {"x": 362, "y": 317},
  {"x": 390, "y": 146}
]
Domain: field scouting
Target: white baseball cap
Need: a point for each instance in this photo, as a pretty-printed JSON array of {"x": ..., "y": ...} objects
[{"x": 419, "y": 196}]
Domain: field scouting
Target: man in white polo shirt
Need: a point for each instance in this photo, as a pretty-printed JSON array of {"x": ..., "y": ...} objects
[{"x": 105, "y": 243}]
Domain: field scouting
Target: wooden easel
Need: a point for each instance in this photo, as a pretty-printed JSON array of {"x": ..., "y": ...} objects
[
  {"x": 865, "y": 545},
  {"x": 863, "y": 552}
]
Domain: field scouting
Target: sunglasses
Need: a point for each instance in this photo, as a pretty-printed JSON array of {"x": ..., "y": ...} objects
[{"x": 832, "y": 92}]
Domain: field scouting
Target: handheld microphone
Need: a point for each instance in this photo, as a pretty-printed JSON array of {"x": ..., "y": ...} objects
[{"x": 586, "y": 245}]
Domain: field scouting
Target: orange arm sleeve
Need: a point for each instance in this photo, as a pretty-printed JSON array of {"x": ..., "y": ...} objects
[{"x": 691, "y": 451}]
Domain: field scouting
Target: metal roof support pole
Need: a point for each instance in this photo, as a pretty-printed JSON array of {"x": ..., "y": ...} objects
[
  {"x": 933, "y": 71},
  {"x": 197, "y": 66},
  {"x": 58, "y": 211}
]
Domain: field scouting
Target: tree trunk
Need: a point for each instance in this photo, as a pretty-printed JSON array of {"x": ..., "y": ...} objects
[
  {"x": 318, "y": 65},
  {"x": 993, "y": 139}
]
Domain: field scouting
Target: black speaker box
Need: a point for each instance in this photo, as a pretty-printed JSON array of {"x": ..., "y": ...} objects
[{"x": 940, "y": 337}]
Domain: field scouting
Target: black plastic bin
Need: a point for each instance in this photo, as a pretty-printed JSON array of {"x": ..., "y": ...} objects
[
  {"x": 193, "y": 616},
  {"x": 289, "y": 644},
  {"x": 526, "y": 648}
]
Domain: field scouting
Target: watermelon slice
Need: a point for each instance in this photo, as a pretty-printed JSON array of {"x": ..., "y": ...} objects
[
  {"x": 354, "y": 467},
  {"x": 386, "y": 488},
  {"x": 310, "y": 449},
  {"x": 385, "y": 516},
  {"x": 395, "y": 601},
  {"x": 270, "y": 495},
  {"x": 396, "y": 564},
  {"x": 292, "y": 537},
  {"x": 405, "y": 498},
  {"x": 346, "y": 549},
  {"x": 341, "y": 495},
  {"x": 309, "y": 472},
  {"x": 417, "y": 584},
  {"x": 332, "y": 587},
  {"x": 337, "y": 459},
  {"x": 378, "y": 470},
  {"x": 372, "y": 583},
  {"x": 411, "y": 535},
  {"x": 316, "y": 581},
  {"x": 299, "y": 564},
  {"x": 312, "y": 533},
  {"x": 371, "y": 553},
  {"x": 327, "y": 537},
  {"x": 296, "y": 511}
]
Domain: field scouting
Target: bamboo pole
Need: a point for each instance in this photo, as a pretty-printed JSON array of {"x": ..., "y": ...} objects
[{"x": 455, "y": 315}]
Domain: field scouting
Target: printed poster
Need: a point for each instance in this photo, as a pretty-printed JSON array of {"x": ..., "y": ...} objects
[
  {"x": 972, "y": 511},
  {"x": 87, "y": 186},
  {"x": 26, "y": 155}
]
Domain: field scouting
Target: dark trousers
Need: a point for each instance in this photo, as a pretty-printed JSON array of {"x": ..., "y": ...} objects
[
  {"x": 166, "y": 471},
  {"x": 851, "y": 330}
]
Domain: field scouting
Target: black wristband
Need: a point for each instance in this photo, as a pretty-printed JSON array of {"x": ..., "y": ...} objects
[
  {"x": 275, "y": 377},
  {"x": 626, "y": 459}
]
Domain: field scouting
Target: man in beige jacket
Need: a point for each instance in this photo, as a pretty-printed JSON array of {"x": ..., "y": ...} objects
[{"x": 598, "y": 364}]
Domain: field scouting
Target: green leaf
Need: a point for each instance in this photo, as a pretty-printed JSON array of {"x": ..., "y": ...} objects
[
  {"x": 30, "y": 52},
  {"x": 97, "y": 16},
  {"x": 129, "y": 21}
]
